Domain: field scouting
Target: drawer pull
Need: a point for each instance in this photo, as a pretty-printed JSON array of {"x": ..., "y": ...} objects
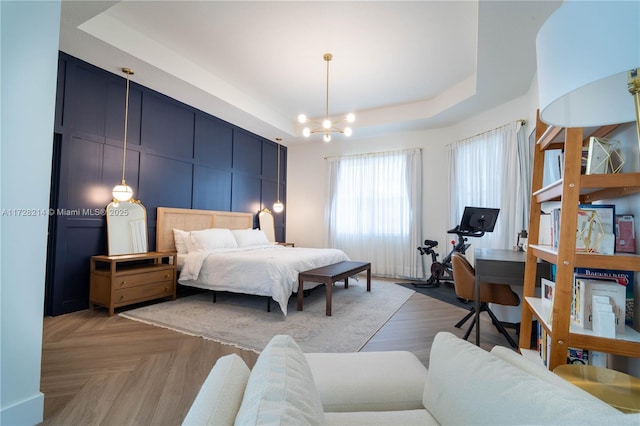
[
  {"x": 122, "y": 283},
  {"x": 167, "y": 276},
  {"x": 121, "y": 296}
]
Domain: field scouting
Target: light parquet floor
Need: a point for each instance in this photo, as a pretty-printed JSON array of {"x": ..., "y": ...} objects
[{"x": 101, "y": 370}]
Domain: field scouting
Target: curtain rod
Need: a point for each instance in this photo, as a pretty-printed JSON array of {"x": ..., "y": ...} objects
[
  {"x": 376, "y": 152},
  {"x": 522, "y": 121}
]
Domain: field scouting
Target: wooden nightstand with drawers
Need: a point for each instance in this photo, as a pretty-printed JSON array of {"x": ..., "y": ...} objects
[{"x": 131, "y": 278}]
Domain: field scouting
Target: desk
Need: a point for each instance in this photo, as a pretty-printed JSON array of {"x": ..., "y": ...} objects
[{"x": 501, "y": 267}]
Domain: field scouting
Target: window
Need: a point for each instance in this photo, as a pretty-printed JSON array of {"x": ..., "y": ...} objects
[
  {"x": 485, "y": 171},
  {"x": 374, "y": 210}
]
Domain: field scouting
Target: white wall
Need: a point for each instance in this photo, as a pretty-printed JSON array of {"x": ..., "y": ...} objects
[
  {"x": 307, "y": 181},
  {"x": 307, "y": 178},
  {"x": 29, "y": 68}
]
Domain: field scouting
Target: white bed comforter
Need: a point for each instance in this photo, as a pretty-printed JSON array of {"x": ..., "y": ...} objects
[{"x": 262, "y": 270}]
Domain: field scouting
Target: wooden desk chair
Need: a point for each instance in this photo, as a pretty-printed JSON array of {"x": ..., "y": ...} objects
[{"x": 464, "y": 281}]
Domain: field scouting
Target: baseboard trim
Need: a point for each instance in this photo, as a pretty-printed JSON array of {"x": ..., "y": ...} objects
[{"x": 27, "y": 412}]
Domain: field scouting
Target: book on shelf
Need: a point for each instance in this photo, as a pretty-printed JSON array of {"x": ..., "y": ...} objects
[
  {"x": 578, "y": 356},
  {"x": 553, "y": 165},
  {"x": 574, "y": 355},
  {"x": 544, "y": 234},
  {"x": 554, "y": 226},
  {"x": 585, "y": 287},
  {"x": 560, "y": 164},
  {"x": 548, "y": 290},
  {"x": 625, "y": 234},
  {"x": 584, "y": 159},
  {"x": 624, "y": 278},
  {"x": 598, "y": 359},
  {"x": 544, "y": 344}
]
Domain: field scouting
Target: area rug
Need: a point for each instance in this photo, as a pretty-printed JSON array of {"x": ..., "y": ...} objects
[
  {"x": 243, "y": 321},
  {"x": 443, "y": 292}
]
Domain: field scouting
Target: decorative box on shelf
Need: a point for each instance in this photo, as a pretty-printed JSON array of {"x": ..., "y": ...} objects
[{"x": 131, "y": 278}]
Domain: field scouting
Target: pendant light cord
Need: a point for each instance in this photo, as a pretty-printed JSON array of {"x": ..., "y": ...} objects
[
  {"x": 278, "y": 171},
  {"x": 128, "y": 72},
  {"x": 326, "y": 111}
]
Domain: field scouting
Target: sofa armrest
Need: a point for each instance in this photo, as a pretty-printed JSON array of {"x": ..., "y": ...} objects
[
  {"x": 368, "y": 381},
  {"x": 219, "y": 398}
]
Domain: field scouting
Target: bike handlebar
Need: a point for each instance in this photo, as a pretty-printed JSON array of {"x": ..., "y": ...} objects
[{"x": 465, "y": 233}]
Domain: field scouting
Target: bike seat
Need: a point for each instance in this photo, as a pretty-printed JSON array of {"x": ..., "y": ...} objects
[{"x": 430, "y": 243}]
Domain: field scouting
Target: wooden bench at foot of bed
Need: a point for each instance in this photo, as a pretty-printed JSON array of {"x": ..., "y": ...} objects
[{"x": 330, "y": 274}]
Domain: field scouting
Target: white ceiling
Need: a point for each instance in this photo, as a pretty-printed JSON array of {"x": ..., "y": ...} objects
[{"x": 398, "y": 65}]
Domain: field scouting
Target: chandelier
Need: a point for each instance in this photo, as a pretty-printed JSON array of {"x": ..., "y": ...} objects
[{"x": 326, "y": 126}]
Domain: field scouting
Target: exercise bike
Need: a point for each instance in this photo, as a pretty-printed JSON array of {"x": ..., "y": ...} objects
[
  {"x": 475, "y": 222},
  {"x": 442, "y": 271}
]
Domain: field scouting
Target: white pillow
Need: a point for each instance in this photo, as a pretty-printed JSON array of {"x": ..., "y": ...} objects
[
  {"x": 182, "y": 240},
  {"x": 250, "y": 237},
  {"x": 212, "y": 239},
  {"x": 281, "y": 390},
  {"x": 221, "y": 393}
]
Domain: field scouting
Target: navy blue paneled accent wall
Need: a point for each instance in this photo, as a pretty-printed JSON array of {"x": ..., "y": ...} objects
[{"x": 177, "y": 156}]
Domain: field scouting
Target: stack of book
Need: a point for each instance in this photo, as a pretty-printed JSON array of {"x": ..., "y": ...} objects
[
  {"x": 599, "y": 303},
  {"x": 596, "y": 229},
  {"x": 587, "y": 285}
]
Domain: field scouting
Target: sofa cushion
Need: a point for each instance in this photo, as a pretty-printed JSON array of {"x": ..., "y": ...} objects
[
  {"x": 382, "y": 418},
  {"x": 368, "y": 381},
  {"x": 220, "y": 394},
  {"x": 281, "y": 390},
  {"x": 466, "y": 384}
]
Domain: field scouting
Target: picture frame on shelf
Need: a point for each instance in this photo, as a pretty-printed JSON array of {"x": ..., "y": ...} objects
[
  {"x": 595, "y": 228},
  {"x": 548, "y": 293}
]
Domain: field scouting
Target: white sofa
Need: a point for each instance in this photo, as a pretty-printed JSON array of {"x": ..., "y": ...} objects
[{"x": 464, "y": 385}]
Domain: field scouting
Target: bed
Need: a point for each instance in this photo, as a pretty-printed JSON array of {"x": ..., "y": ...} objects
[{"x": 252, "y": 266}]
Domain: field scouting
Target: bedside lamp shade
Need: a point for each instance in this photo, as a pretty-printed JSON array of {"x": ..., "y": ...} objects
[{"x": 585, "y": 51}]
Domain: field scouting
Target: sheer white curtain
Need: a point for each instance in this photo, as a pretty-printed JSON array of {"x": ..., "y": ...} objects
[
  {"x": 374, "y": 210},
  {"x": 525, "y": 158},
  {"x": 485, "y": 171}
]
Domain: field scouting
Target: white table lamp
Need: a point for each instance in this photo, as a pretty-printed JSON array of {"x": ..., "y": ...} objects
[{"x": 585, "y": 53}]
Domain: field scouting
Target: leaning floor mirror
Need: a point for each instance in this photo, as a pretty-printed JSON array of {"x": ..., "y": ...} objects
[
  {"x": 267, "y": 224},
  {"x": 126, "y": 228}
]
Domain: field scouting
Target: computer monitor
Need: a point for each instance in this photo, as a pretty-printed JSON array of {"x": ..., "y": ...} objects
[{"x": 477, "y": 219}]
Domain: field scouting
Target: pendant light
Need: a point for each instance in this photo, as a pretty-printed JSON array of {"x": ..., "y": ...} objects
[
  {"x": 326, "y": 127},
  {"x": 278, "y": 207},
  {"x": 122, "y": 191}
]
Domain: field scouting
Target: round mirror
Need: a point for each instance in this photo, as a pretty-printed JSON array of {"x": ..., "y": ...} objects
[{"x": 126, "y": 228}]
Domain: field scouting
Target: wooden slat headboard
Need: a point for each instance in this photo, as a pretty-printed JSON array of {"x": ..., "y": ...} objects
[{"x": 169, "y": 218}]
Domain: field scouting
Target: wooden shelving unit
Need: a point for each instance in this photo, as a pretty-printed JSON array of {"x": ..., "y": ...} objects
[{"x": 573, "y": 189}]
